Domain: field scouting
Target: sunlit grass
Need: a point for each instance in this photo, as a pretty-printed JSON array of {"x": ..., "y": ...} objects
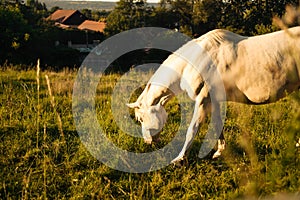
[{"x": 261, "y": 157}]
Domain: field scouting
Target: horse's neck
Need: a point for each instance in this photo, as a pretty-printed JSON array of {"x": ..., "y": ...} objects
[
  {"x": 169, "y": 77},
  {"x": 165, "y": 81},
  {"x": 153, "y": 93}
]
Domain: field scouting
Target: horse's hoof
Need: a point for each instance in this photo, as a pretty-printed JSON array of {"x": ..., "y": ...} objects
[
  {"x": 148, "y": 141},
  {"x": 216, "y": 155},
  {"x": 180, "y": 162}
]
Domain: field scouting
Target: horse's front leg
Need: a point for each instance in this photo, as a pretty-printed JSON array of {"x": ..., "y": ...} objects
[{"x": 198, "y": 117}]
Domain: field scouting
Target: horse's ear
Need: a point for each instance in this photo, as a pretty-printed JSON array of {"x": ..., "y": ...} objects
[
  {"x": 164, "y": 99},
  {"x": 133, "y": 105}
]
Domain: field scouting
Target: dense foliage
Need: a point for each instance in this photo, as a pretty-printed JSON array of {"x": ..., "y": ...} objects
[
  {"x": 199, "y": 16},
  {"x": 25, "y": 35}
]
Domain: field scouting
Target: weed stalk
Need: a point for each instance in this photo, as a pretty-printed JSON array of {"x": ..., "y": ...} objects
[
  {"x": 38, "y": 102},
  {"x": 45, "y": 164},
  {"x": 60, "y": 127}
]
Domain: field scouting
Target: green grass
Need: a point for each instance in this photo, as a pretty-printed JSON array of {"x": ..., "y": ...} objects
[{"x": 37, "y": 162}]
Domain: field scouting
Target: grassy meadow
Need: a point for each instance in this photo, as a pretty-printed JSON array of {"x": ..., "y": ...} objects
[{"x": 42, "y": 157}]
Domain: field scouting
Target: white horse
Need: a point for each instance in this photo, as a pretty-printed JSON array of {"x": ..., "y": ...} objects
[{"x": 257, "y": 70}]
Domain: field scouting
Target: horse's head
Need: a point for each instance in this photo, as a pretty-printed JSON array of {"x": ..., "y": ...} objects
[{"x": 152, "y": 118}]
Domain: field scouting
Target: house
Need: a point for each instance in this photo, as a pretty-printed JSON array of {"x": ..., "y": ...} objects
[
  {"x": 91, "y": 32},
  {"x": 92, "y": 26},
  {"x": 75, "y": 19},
  {"x": 67, "y": 18}
]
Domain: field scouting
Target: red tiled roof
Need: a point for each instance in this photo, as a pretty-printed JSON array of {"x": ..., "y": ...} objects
[
  {"x": 92, "y": 26},
  {"x": 61, "y": 15}
]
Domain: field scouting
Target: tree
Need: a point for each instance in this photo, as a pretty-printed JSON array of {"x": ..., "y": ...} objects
[
  {"x": 233, "y": 13},
  {"x": 100, "y": 15},
  {"x": 126, "y": 15},
  {"x": 14, "y": 31},
  {"x": 87, "y": 13},
  {"x": 193, "y": 17},
  {"x": 163, "y": 16},
  {"x": 55, "y": 8},
  {"x": 245, "y": 17},
  {"x": 184, "y": 11},
  {"x": 207, "y": 15},
  {"x": 25, "y": 36}
]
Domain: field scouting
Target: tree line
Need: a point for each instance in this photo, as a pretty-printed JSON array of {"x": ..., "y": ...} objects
[
  {"x": 196, "y": 17},
  {"x": 25, "y": 35}
]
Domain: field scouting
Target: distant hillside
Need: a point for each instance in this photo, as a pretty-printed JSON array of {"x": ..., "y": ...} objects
[{"x": 78, "y": 5}]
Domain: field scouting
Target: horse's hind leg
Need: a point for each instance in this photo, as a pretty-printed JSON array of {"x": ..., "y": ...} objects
[
  {"x": 219, "y": 129},
  {"x": 221, "y": 147}
]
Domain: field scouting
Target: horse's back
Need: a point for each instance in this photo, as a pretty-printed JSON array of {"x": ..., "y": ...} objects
[{"x": 264, "y": 64}]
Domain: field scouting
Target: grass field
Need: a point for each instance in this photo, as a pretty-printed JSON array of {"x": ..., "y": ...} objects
[{"x": 42, "y": 157}]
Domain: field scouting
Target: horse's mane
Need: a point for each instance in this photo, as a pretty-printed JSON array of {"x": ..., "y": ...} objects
[
  {"x": 217, "y": 37},
  {"x": 221, "y": 45}
]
